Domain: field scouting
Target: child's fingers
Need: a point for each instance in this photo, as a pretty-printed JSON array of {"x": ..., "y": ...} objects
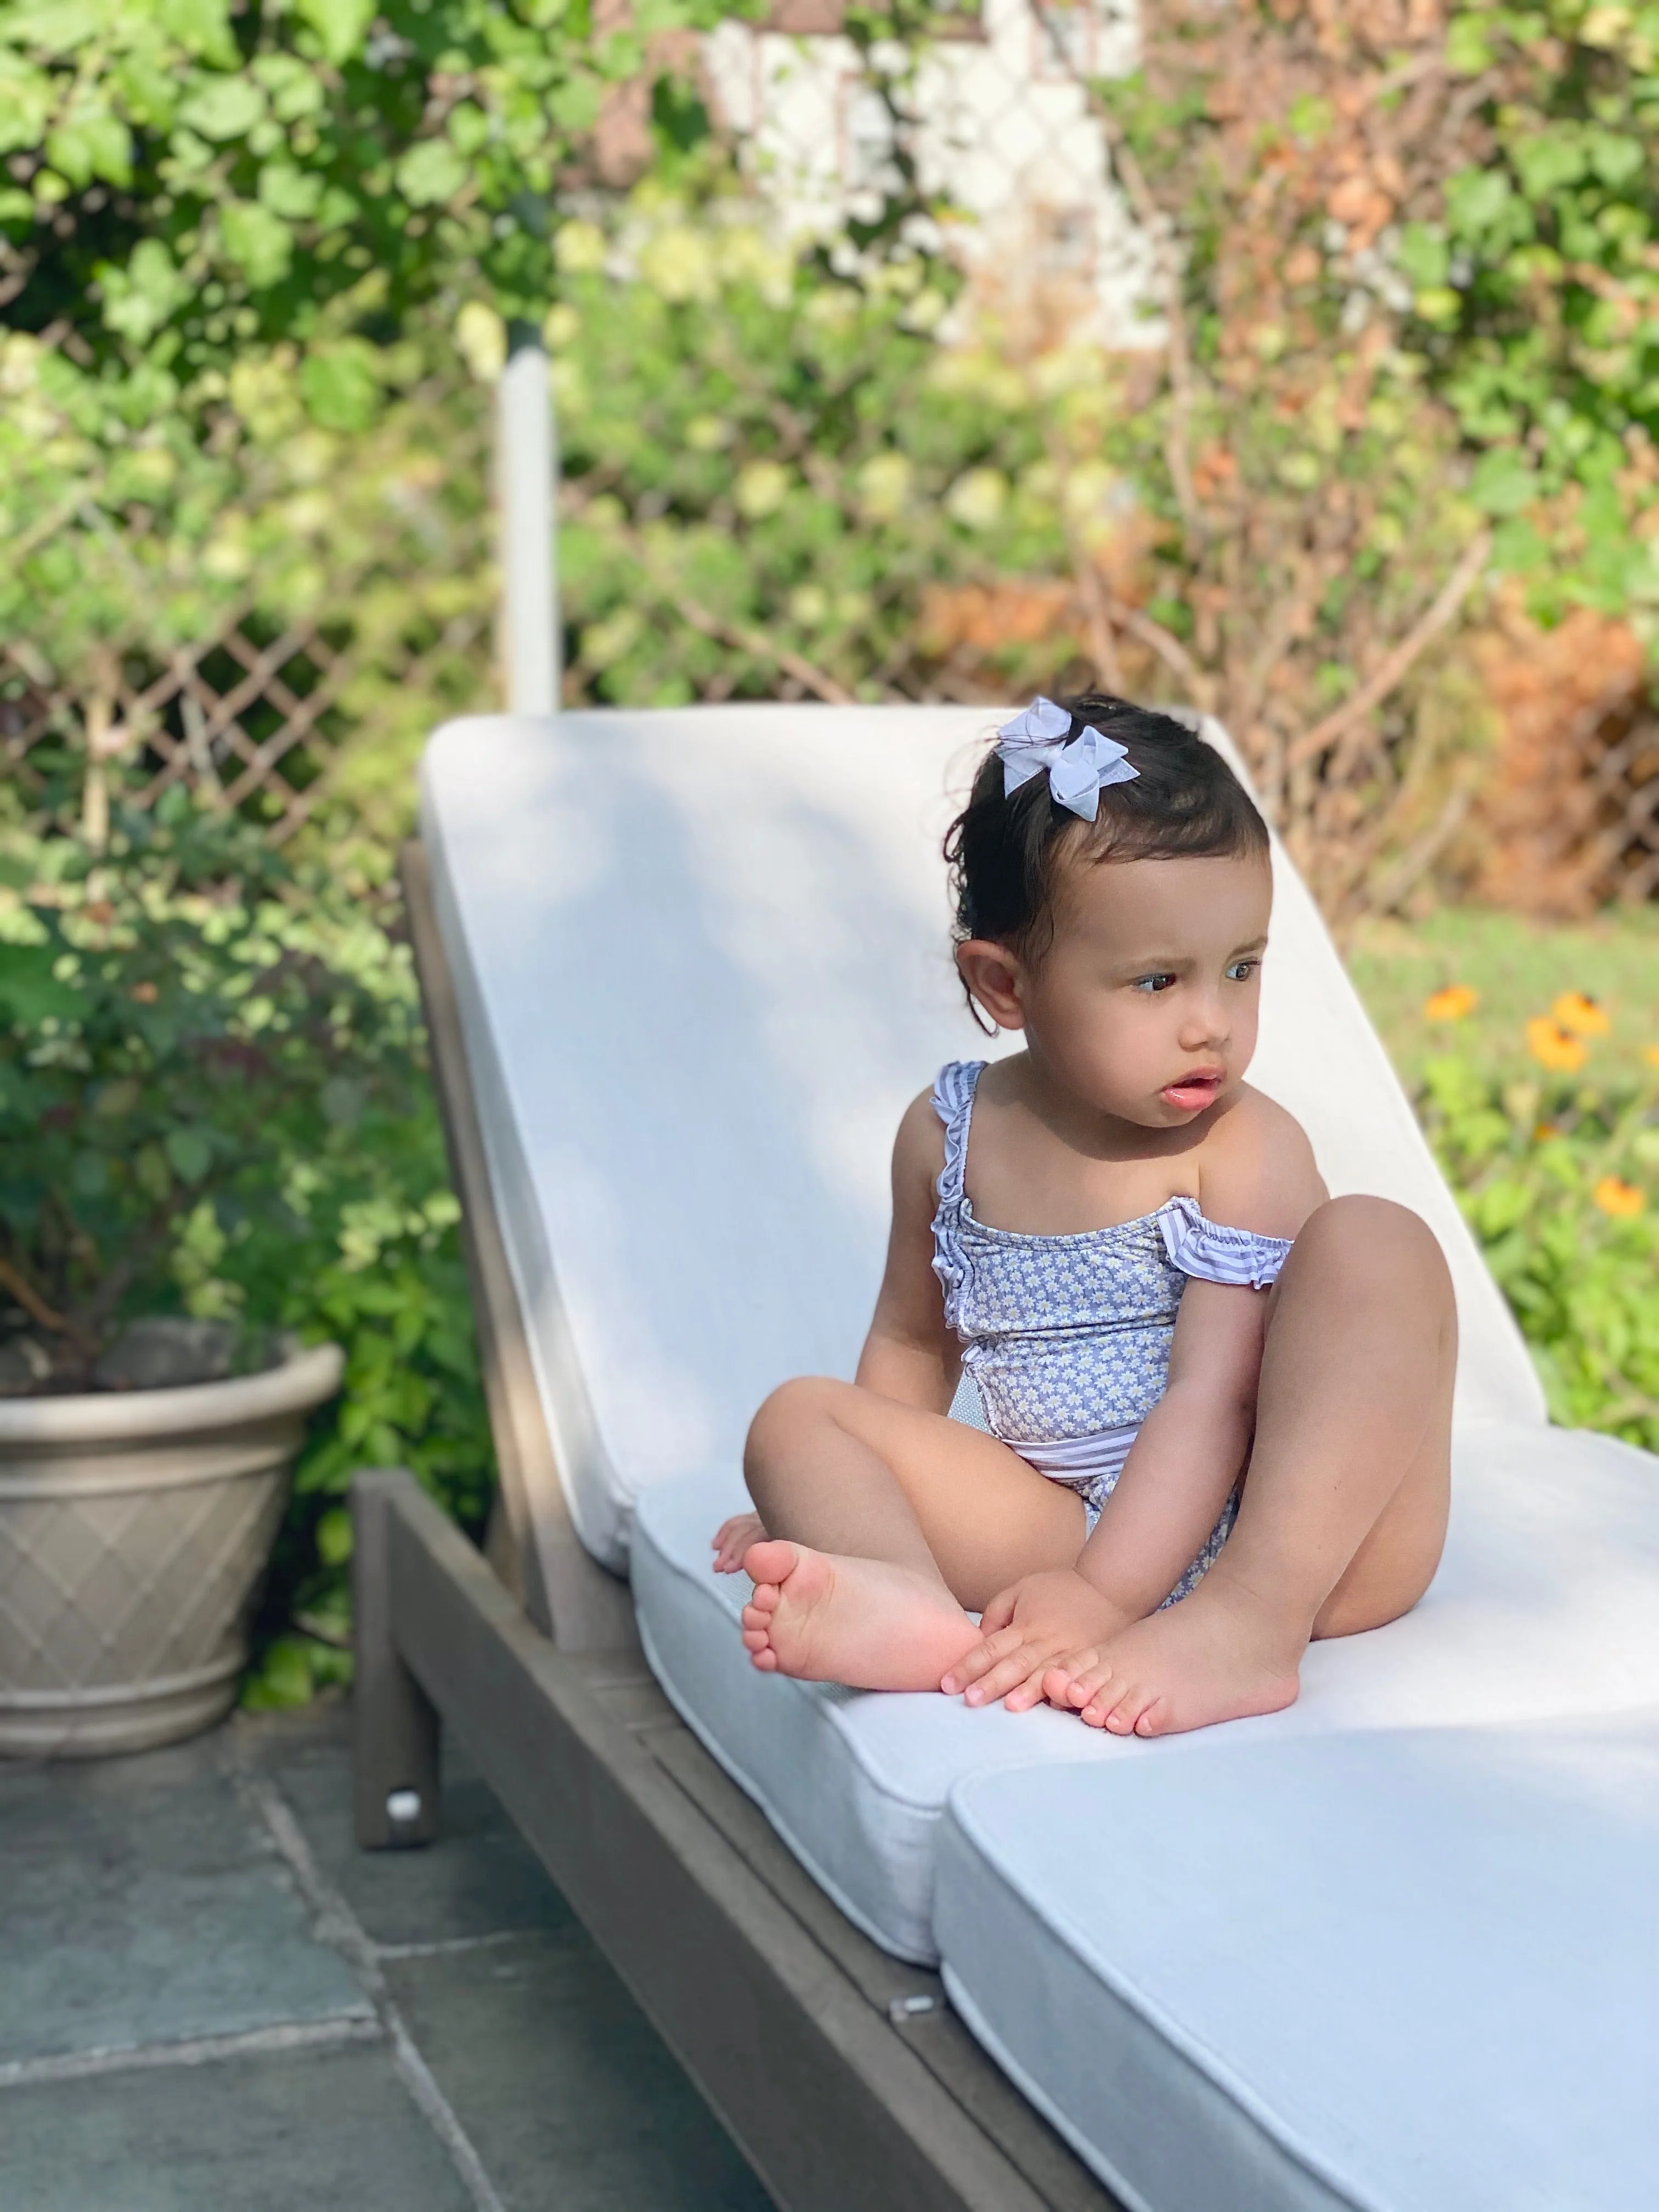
[
  {"x": 999, "y": 1612},
  {"x": 734, "y": 1537},
  {"x": 1005, "y": 1676},
  {"x": 1025, "y": 1694},
  {"x": 982, "y": 1657}
]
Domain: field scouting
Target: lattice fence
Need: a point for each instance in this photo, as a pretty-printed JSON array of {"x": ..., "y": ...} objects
[
  {"x": 1569, "y": 809},
  {"x": 307, "y": 690},
  {"x": 249, "y": 720}
]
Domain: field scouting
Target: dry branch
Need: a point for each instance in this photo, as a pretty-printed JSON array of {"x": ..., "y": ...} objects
[{"x": 1399, "y": 663}]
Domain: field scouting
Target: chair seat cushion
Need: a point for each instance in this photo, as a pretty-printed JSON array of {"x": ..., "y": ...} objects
[
  {"x": 1406, "y": 1971},
  {"x": 1547, "y": 1603}
]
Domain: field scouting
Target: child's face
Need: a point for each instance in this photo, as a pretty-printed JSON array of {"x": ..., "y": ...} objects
[{"x": 1145, "y": 1005}]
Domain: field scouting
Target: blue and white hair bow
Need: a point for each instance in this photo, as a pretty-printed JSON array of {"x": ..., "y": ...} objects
[{"x": 1078, "y": 771}]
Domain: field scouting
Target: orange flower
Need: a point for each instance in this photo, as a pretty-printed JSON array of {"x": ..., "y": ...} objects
[
  {"x": 1544, "y": 1132},
  {"x": 1451, "y": 1004},
  {"x": 1548, "y": 1042},
  {"x": 1580, "y": 1016},
  {"x": 1650, "y": 1054},
  {"x": 1621, "y": 1200}
]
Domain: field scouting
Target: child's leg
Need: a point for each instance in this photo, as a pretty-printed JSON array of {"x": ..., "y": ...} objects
[
  {"x": 1344, "y": 1509},
  {"x": 909, "y": 1517}
]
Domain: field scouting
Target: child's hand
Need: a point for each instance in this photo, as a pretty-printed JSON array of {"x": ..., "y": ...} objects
[
  {"x": 1044, "y": 1623},
  {"x": 732, "y": 1539}
]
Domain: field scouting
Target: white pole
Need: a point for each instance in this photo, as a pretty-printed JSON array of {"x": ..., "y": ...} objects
[{"x": 526, "y": 464}]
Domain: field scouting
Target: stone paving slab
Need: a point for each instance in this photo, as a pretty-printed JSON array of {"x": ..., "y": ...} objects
[
  {"x": 212, "y": 2001},
  {"x": 311, "y": 2131},
  {"x": 481, "y": 1879},
  {"x": 562, "y": 2085},
  {"x": 139, "y": 1904}
]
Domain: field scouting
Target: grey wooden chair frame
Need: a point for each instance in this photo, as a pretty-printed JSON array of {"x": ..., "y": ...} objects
[{"x": 841, "y": 2073}]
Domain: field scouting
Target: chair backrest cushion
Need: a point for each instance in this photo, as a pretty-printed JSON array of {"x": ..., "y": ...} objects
[{"x": 703, "y": 963}]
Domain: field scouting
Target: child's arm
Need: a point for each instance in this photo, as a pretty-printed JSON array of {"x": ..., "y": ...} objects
[
  {"x": 1190, "y": 1451},
  {"x": 1256, "y": 1172},
  {"x": 909, "y": 1353}
]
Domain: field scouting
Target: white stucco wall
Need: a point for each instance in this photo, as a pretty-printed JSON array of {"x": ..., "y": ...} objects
[{"x": 1006, "y": 137}]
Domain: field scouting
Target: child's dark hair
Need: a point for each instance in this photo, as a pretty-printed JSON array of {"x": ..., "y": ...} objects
[{"x": 1184, "y": 802}]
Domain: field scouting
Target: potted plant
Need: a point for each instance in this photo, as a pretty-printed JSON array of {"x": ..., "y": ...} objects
[{"x": 171, "y": 1023}]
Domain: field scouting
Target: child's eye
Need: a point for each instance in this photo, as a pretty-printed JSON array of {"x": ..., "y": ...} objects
[
  {"x": 1150, "y": 983},
  {"x": 1241, "y": 970}
]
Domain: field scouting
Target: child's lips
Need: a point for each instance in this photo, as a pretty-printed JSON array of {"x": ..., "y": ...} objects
[{"x": 1197, "y": 1089}]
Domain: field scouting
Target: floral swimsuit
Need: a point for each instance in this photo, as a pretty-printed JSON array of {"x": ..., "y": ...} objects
[{"x": 1066, "y": 1338}]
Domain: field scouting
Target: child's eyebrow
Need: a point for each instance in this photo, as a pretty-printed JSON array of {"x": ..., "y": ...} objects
[{"x": 1148, "y": 963}]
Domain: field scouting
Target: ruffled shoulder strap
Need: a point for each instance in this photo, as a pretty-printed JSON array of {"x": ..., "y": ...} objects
[
  {"x": 953, "y": 1102},
  {"x": 1218, "y": 1254}
]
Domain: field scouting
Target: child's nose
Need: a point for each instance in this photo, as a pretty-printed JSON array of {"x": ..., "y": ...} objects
[{"x": 1206, "y": 1021}]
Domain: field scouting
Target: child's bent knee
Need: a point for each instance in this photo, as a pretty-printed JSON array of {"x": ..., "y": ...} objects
[
  {"x": 1374, "y": 1237},
  {"x": 795, "y": 1406}
]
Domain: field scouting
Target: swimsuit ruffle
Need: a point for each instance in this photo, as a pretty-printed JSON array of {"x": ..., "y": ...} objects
[
  {"x": 1216, "y": 1254},
  {"x": 953, "y": 1102}
]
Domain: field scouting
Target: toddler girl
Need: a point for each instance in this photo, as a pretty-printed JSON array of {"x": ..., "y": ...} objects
[{"x": 1218, "y": 1400}]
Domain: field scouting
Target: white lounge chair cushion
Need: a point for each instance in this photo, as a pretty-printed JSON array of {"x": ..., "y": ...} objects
[
  {"x": 703, "y": 963},
  {"x": 1409, "y": 1972},
  {"x": 1547, "y": 1603}
]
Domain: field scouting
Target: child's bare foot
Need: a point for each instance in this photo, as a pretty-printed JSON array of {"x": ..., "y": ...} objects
[
  {"x": 826, "y": 1619},
  {"x": 1219, "y": 1654},
  {"x": 734, "y": 1537}
]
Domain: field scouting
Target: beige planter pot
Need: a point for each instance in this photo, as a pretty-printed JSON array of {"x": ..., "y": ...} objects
[{"x": 134, "y": 1526}]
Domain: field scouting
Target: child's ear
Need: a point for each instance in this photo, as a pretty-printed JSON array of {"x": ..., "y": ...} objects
[{"x": 991, "y": 974}]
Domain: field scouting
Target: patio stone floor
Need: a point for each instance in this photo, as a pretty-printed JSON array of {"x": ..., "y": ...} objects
[{"x": 210, "y": 2001}]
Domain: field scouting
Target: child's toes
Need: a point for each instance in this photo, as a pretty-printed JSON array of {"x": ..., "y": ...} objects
[
  {"x": 1131, "y": 1702},
  {"x": 757, "y": 1624},
  {"x": 1108, "y": 1703},
  {"x": 1088, "y": 1685}
]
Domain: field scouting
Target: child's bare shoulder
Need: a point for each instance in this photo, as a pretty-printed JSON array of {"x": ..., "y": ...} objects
[{"x": 1256, "y": 1169}]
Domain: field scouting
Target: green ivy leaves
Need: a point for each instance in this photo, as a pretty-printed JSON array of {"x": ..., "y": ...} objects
[
  {"x": 288, "y": 173},
  {"x": 1539, "y": 292},
  {"x": 431, "y": 172},
  {"x": 339, "y": 384},
  {"x": 339, "y": 24}
]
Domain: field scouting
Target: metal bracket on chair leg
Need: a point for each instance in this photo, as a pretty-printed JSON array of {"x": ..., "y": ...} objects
[{"x": 395, "y": 1783}]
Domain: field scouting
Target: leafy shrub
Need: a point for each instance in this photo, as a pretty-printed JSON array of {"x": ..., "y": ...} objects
[
  {"x": 1555, "y": 1176},
  {"x": 185, "y": 179},
  {"x": 768, "y": 467},
  {"x": 1410, "y": 383},
  {"x": 213, "y": 1100},
  {"x": 1535, "y": 285}
]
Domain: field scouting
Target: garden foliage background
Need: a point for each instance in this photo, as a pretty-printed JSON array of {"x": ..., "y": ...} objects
[{"x": 1377, "y": 483}]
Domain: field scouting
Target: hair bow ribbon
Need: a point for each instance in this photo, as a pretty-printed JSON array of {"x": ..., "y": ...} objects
[{"x": 1077, "y": 772}]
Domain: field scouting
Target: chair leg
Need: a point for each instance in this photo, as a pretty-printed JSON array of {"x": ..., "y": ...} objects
[{"x": 395, "y": 1781}]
